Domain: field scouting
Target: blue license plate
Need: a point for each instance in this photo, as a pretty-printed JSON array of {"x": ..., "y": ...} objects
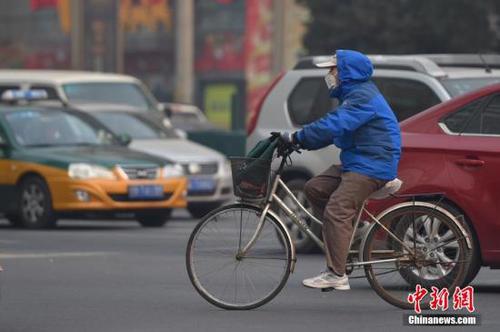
[
  {"x": 145, "y": 192},
  {"x": 197, "y": 185}
]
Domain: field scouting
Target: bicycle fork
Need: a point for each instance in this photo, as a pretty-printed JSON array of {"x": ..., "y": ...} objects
[{"x": 304, "y": 227}]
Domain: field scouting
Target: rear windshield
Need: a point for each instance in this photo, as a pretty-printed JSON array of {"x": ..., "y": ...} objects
[
  {"x": 459, "y": 86},
  {"x": 114, "y": 93},
  {"x": 135, "y": 126}
]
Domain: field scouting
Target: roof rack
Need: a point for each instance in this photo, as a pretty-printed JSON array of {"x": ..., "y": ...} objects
[
  {"x": 465, "y": 60},
  {"x": 415, "y": 63}
]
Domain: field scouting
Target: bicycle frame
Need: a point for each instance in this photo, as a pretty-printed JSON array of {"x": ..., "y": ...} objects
[{"x": 304, "y": 227}]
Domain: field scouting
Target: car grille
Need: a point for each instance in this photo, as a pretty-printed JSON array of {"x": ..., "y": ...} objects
[
  {"x": 125, "y": 198},
  {"x": 140, "y": 172},
  {"x": 200, "y": 169}
]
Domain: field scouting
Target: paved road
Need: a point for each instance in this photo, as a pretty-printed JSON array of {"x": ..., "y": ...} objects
[{"x": 116, "y": 276}]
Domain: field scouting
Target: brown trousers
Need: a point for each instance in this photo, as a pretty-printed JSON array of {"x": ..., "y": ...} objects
[{"x": 336, "y": 198}]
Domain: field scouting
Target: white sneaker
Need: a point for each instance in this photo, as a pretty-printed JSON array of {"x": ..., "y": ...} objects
[{"x": 328, "y": 279}]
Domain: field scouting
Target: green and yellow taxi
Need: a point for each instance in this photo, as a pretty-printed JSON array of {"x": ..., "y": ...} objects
[{"x": 56, "y": 162}]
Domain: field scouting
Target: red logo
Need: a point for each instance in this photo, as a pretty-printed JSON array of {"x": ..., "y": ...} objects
[{"x": 463, "y": 298}]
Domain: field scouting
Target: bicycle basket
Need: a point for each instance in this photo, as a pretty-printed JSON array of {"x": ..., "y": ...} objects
[{"x": 250, "y": 177}]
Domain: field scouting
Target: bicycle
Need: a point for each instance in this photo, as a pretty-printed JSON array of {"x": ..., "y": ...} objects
[{"x": 240, "y": 256}]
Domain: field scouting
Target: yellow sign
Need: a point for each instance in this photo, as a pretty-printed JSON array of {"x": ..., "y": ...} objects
[
  {"x": 218, "y": 100},
  {"x": 145, "y": 13}
]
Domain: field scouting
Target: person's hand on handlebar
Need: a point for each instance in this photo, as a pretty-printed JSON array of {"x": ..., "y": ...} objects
[{"x": 288, "y": 143}]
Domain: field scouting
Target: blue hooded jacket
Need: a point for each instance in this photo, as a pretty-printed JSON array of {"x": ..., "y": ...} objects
[{"x": 363, "y": 126}]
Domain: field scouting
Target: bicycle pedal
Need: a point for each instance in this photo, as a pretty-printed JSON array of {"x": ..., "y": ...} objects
[{"x": 329, "y": 289}]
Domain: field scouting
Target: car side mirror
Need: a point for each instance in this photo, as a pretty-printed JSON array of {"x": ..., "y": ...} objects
[{"x": 124, "y": 139}]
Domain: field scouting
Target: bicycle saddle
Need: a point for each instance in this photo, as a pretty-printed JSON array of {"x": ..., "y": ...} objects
[{"x": 388, "y": 189}]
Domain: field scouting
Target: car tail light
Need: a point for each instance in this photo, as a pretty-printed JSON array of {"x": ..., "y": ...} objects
[{"x": 252, "y": 123}]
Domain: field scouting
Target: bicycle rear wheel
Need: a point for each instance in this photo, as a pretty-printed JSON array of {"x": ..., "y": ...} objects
[
  {"x": 229, "y": 280},
  {"x": 434, "y": 254}
]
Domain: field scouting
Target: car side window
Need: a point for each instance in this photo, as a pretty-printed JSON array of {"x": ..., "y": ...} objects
[
  {"x": 406, "y": 97},
  {"x": 464, "y": 120},
  {"x": 487, "y": 122},
  {"x": 309, "y": 101}
]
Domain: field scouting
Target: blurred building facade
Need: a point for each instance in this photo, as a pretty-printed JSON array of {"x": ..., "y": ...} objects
[{"x": 218, "y": 54}]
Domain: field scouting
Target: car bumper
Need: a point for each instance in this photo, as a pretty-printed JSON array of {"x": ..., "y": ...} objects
[
  {"x": 222, "y": 191},
  {"x": 110, "y": 195}
]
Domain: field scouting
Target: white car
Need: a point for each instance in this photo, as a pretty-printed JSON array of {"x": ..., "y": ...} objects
[
  {"x": 71, "y": 87},
  {"x": 208, "y": 171}
]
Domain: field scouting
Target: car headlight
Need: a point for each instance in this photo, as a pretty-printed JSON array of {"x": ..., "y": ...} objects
[
  {"x": 226, "y": 167},
  {"x": 172, "y": 171},
  {"x": 88, "y": 171}
]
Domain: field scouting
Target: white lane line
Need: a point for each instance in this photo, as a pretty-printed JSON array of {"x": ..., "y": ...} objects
[{"x": 55, "y": 254}]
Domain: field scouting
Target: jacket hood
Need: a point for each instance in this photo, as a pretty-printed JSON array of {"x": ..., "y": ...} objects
[{"x": 353, "y": 66}]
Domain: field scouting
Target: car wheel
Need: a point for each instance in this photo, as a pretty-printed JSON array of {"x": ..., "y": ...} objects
[
  {"x": 403, "y": 229},
  {"x": 303, "y": 243},
  {"x": 34, "y": 205},
  {"x": 199, "y": 210},
  {"x": 156, "y": 219}
]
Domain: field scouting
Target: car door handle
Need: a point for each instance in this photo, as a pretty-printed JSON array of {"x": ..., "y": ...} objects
[{"x": 470, "y": 162}]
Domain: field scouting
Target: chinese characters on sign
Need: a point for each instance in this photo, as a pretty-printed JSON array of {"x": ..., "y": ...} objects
[{"x": 463, "y": 298}]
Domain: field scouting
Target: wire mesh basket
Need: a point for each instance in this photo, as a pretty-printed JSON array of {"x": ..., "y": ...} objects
[{"x": 250, "y": 177}]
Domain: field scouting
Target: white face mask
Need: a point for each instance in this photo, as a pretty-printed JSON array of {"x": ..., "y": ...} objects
[{"x": 331, "y": 81}]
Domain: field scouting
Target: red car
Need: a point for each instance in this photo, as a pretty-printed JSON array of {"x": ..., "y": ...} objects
[{"x": 454, "y": 148}]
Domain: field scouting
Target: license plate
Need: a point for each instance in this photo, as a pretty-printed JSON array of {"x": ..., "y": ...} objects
[
  {"x": 145, "y": 192},
  {"x": 201, "y": 185}
]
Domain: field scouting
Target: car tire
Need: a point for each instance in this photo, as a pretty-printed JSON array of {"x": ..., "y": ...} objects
[
  {"x": 34, "y": 205},
  {"x": 303, "y": 244},
  {"x": 156, "y": 219},
  {"x": 199, "y": 210}
]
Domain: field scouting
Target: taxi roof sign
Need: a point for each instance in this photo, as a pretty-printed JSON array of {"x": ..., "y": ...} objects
[{"x": 23, "y": 95}]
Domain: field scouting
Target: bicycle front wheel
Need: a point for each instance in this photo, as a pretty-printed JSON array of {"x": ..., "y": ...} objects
[
  {"x": 225, "y": 277},
  {"x": 428, "y": 249}
]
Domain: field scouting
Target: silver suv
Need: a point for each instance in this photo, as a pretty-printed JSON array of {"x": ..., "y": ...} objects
[{"x": 410, "y": 83}]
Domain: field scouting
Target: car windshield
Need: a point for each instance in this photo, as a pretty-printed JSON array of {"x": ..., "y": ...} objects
[
  {"x": 114, "y": 93},
  {"x": 134, "y": 125},
  {"x": 459, "y": 86},
  {"x": 41, "y": 128}
]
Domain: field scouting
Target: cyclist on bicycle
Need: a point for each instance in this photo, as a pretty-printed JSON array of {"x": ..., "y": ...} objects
[{"x": 364, "y": 127}]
